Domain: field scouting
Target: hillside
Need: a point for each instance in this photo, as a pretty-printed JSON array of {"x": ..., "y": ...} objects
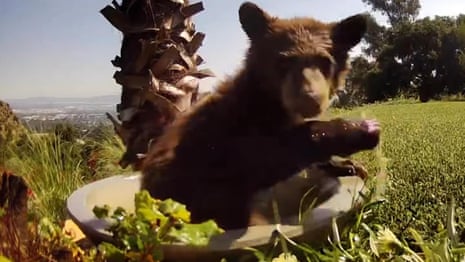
[{"x": 9, "y": 122}]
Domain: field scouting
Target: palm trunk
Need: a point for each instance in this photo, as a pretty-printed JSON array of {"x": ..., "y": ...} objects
[{"x": 159, "y": 74}]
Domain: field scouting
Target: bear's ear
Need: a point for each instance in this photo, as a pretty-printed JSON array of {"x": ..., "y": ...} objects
[
  {"x": 349, "y": 32},
  {"x": 254, "y": 21}
]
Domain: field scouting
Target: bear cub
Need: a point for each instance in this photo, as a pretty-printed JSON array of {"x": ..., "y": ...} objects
[{"x": 258, "y": 127}]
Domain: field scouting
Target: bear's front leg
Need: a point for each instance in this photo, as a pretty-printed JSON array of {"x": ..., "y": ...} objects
[
  {"x": 339, "y": 137},
  {"x": 265, "y": 160}
]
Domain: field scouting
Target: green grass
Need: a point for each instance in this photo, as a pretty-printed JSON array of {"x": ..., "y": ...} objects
[
  {"x": 54, "y": 167},
  {"x": 423, "y": 144},
  {"x": 425, "y": 147}
]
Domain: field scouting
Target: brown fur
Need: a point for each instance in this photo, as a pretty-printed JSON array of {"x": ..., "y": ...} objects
[{"x": 250, "y": 133}]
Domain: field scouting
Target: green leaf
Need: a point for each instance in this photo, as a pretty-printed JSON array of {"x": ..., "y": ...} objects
[
  {"x": 147, "y": 207},
  {"x": 119, "y": 213},
  {"x": 175, "y": 209},
  {"x": 111, "y": 253},
  {"x": 195, "y": 234},
  {"x": 101, "y": 212},
  {"x": 143, "y": 199},
  {"x": 47, "y": 230}
]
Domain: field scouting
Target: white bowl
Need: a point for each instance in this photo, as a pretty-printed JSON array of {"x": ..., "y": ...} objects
[{"x": 119, "y": 191}]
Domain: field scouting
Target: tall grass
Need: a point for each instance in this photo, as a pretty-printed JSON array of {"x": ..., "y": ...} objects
[
  {"x": 51, "y": 168},
  {"x": 54, "y": 167}
]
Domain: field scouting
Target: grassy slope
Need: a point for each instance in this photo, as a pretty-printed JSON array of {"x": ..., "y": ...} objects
[
  {"x": 423, "y": 142},
  {"x": 425, "y": 146}
]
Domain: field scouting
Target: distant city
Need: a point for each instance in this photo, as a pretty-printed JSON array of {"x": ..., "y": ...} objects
[{"x": 42, "y": 112}]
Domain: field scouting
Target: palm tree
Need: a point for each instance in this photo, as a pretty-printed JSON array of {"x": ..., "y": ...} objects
[{"x": 158, "y": 72}]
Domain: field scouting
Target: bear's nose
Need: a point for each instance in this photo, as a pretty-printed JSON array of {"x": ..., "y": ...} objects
[{"x": 314, "y": 82}]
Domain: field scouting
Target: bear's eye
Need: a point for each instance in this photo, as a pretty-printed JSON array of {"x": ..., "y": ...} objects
[
  {"x": 326, "y": 66},
  {"x": 286, "y": 63}
]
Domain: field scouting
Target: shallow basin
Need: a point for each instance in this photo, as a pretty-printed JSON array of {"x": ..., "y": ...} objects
[{"x": 119, "y": 191}]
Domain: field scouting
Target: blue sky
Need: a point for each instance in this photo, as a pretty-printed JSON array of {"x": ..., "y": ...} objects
[{"x": 63, "y": 48}]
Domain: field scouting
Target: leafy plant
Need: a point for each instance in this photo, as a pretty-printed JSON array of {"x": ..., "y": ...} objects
[{"x": 139, "y": 236}]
